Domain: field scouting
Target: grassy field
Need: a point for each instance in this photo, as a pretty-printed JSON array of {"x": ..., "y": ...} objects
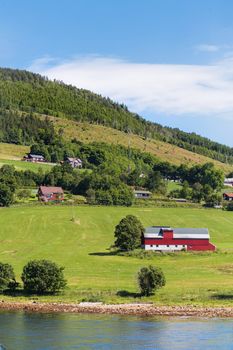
[
  {"x": 21, "y": 165},
  {"x": 12, "y": 154},
  {"x": 164, "y": 151},
  {"x": 79, "y": 237},
  {"x": 11, "y": 151}
]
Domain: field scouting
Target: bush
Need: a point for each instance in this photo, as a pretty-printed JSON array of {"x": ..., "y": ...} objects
[
  {"x": 40, "y": 276},
  {"x": 149, "y": 279},
  {"x": 23, "y": 194},
  {"x": 128, "y": 233},
  {"x": 7, "y": 276},
  {"x": 6, "y": 195},
  {"x": 229, "y": 206}
]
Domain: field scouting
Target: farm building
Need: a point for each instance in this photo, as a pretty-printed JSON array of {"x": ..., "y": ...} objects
[
  {"x": 165, "y": 238},
  {"x": 75, "y": 162},
  {"x": 34, "y": 158},
  {"x": 228, "y": 182},
  {"x": 50, "y": 194},
  {"x": 227, "y": 196},
  {"x": 142, "y": 194}
]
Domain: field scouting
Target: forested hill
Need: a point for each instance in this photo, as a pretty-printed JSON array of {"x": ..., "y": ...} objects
[{"x": 29, "y": 92}]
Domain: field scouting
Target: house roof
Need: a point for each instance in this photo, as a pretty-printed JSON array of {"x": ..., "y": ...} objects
[
  {"x": 36, "y": 156},
  {"x": 156, "y": 231},
  {"x": 144, "y": 192},
  {"x": 70, "y": 159},
  {"x": 228, "y": 194},
  {"x": 50, "y": 189}
]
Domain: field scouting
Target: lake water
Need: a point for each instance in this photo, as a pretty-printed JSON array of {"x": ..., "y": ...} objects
[{"x": 29, "y": 331}]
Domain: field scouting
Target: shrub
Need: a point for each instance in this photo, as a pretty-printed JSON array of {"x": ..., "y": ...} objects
[
  {"x": 230, "y": 206},
  {"x": 149, "y": 279},
  {"x": 24, "y": 193},
  {"x": 6, "y": 195},
  {"x": 40, "y": 276},
  {"x": 7, "y": 276},
  {"x": 128, "y": 233}
]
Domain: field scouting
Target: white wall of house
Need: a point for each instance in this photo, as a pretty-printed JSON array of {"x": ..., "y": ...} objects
[{"x": 167, "y": 248}]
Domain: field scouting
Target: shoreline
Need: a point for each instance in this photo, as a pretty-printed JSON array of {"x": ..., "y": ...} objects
[{"x": 119, "y": 309}]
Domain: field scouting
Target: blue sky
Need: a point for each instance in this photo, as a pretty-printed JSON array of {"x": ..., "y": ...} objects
[{"x": 169, "y": 60}]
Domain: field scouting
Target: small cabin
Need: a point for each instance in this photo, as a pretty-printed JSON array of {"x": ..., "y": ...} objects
[
  {"x": 142, "y": 194},
  {"x": 34, "y": 158},
  {"x": 50, "y": 194},
  {"x": 228, "y": 182}
]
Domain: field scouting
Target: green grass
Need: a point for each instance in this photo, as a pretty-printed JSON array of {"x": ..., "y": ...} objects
[
  {"x": 171, "y": 186},
  {"x": 78, "y": 238},
  {"x": 87, "y": 133},
  {"x": 11, "y": 151},
  {"x": 21, "y": 165}
]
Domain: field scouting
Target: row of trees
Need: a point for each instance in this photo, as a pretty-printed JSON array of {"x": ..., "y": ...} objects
[
  {"x": 111, "y": 183},
  {"x": 44, "y": 276},
  {"x": 38, "y": 276}
]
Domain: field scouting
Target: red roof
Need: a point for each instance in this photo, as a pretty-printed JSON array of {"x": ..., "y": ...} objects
[
  {"x": 228, "y": 194},
  {"x": 45, "y": 190}
]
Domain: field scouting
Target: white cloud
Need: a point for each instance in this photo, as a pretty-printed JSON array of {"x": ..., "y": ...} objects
[
  {"x": 207, "y": 48},
  {"x": 168, "y": 88}
]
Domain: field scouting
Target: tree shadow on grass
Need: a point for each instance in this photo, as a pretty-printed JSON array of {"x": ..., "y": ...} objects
[
  {"x": 105, "y": 253},
  {"x": 223, "y": 296},
  {"x": 127, "y": 294},
  {"x": 23, "y": 293}
]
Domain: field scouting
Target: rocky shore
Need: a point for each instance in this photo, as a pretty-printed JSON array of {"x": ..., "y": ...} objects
[{"x": 120, "y": 309}]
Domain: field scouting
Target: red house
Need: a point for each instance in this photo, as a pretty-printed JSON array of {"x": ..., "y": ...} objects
[
  {"x": 227, "y": 196},
  {"x": 50, "y": 194},
  {"x": 175, "y": 239}
]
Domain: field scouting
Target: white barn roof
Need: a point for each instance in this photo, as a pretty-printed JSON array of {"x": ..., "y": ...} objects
[{"x": 180, "y": 233}]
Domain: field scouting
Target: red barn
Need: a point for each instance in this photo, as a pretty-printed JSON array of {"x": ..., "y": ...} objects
[
  {"x": 174, "y": 239},
  {"x": 50, "y": 194}
]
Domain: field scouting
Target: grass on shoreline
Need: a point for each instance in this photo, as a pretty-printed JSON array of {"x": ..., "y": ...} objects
[{"x": 96, "y": 274}]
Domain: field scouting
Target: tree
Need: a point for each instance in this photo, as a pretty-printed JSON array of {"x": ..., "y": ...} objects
[
  {"x": 155, "y": 182},
  {"x": 6, "y": 195},
  {"x": 213, "y": 199},
  {"x": 7, "y": 275},
  {"x": 197, "y": 192},
  {"x": 128, "y": 233},
  {"x": 185, "y": 191},
  {"x": 40, "y": 276},
  {"x": 149, "y": 279}
]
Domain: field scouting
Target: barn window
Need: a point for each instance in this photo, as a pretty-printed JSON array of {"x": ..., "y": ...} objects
[
  {"x": 183, "y": 246},
  {"x": 157, "y": 245},
  {"x": 176, "y": 245},
  {"x": 167, "y": 245},
  {"x": 151, "y": 245}
]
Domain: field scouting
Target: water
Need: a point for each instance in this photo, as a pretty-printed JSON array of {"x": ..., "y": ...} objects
[{"x": 29, "y": 331}]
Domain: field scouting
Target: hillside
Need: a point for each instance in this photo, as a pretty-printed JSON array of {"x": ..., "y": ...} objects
[
  {"x": 28, "y": 92},
  {"x": 96, "y": 274},
  {"x": 87, "y": 133}
]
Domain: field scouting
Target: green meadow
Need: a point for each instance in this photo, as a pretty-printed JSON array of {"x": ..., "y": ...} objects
[
  {"x": 78, "y": 238},
  {"x": 21, "y": 165}
]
